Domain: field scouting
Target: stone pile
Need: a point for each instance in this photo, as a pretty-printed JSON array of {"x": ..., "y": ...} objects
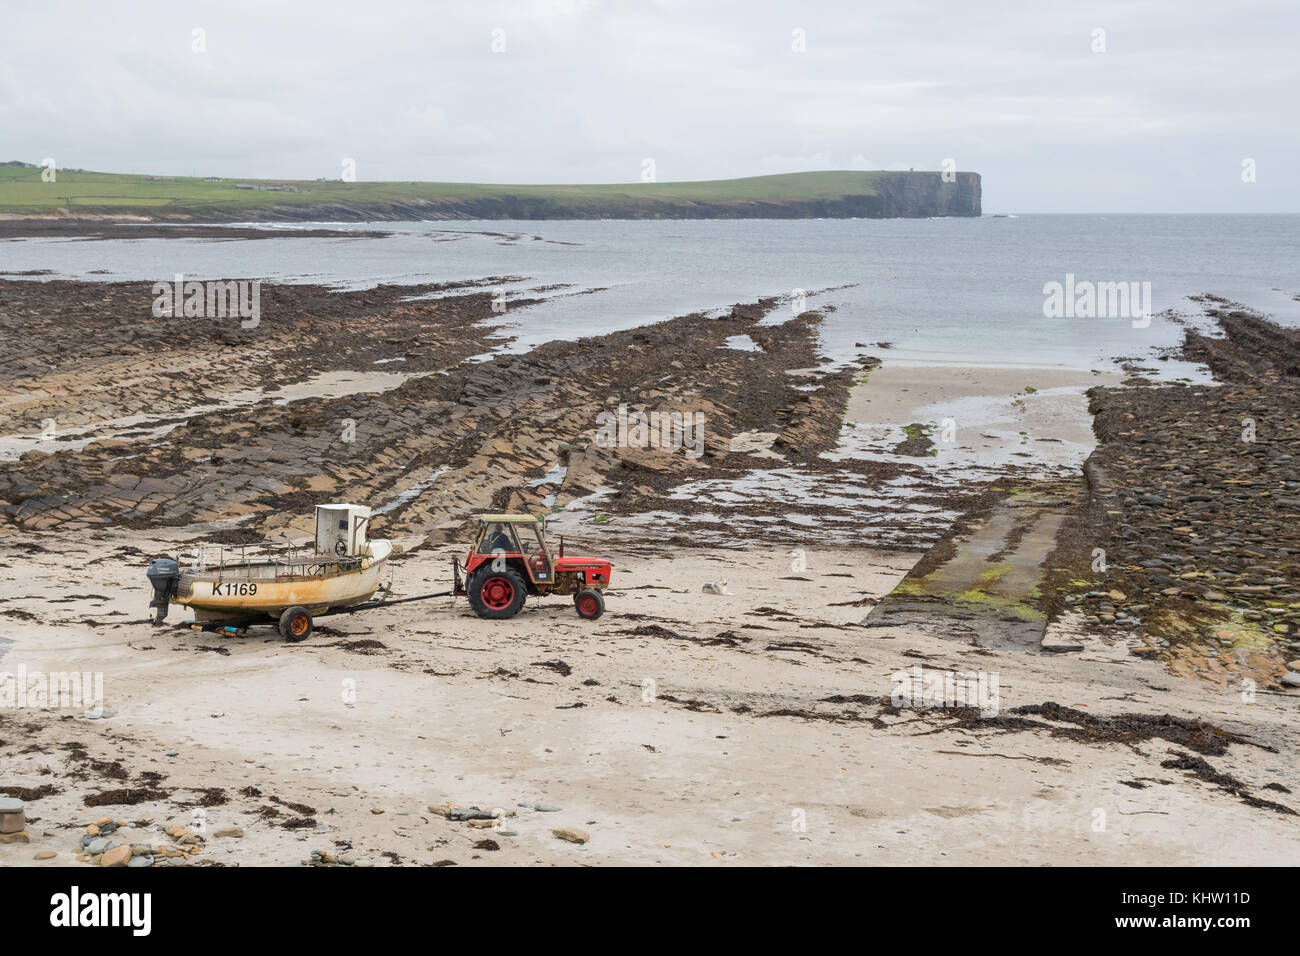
[{"x": 98, "y": 847}]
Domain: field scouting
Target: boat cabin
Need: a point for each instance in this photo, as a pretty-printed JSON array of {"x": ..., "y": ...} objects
[{"x": 341, "y": 529}]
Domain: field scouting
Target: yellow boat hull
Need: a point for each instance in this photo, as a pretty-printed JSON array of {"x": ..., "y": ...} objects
[{"x": 251, "y": 591}]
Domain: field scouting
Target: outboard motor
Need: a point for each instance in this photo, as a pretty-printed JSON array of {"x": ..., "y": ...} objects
[{"x": 164, "y": 574}]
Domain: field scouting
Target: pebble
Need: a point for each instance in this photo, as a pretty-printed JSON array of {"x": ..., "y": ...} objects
[
  {"x": 546, "y": 808},
  {"x": 571, "y": 834},
  {"x": 46, "y": 855},
  {"x": 470, "y": 813},
  {"x": 118, "y": 856}
]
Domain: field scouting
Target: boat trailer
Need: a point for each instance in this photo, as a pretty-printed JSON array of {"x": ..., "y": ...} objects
[{"x": 238, "y": 630}]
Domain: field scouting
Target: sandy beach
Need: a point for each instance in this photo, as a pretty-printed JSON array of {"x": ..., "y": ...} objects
[{"x": 684, "y": 728}]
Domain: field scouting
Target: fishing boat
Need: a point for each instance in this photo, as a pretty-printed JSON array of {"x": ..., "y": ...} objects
[{"x": 341, "y": 570}]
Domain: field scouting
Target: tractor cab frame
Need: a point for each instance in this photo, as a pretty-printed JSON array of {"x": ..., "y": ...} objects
[{"x": 510, "y": 559}]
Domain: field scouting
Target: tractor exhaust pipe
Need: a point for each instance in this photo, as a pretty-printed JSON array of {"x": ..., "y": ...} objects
[{"x": 164, "y": 574}]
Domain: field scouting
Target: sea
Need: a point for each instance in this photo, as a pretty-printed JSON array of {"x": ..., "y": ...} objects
[{"x": 971, "y": 291}]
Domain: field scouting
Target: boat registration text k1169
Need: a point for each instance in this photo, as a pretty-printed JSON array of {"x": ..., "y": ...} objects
[{"x": 233, "y": 588}]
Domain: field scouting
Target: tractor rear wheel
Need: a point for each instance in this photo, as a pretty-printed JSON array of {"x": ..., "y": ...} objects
[
  {"x": 295, "y": 624},
  {"x": 497, "y": 595},
  {"x": 590, "y": 604}
]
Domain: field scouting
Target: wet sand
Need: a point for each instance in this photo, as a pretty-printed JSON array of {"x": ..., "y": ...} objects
[{"x": 997, "y": 415}]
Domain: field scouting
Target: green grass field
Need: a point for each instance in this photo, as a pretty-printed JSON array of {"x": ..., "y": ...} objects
[{"x": 23, "y": 192}]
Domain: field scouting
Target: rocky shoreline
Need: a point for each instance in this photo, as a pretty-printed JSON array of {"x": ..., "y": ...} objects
[
  {"x": 202, "y": 430},
  {"x": 1189, "y": 543},
  {"x": 109, "y": 227}
]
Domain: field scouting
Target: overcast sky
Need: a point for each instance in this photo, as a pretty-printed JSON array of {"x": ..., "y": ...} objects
[{"x": 1161, "y": 121}]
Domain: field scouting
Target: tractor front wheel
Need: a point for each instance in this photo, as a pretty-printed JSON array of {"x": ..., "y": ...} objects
[
  {"x": 295, "y": 624},
  {"x": 497, "y": 595},
  {"x": 590, "y": 604}
]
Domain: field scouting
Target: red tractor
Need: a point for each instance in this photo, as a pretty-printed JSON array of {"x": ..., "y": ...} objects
[{"x": 509, "y": 560}]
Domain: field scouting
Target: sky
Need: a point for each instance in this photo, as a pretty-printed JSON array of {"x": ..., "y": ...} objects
[{"x": 1172, "y": 107}]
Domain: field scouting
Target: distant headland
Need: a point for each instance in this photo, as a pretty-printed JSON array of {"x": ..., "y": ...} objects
[{"x": 32, "y": 191}]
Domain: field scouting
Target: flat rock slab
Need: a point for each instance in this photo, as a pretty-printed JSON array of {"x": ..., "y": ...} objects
[{"x": 982, "y": 583}]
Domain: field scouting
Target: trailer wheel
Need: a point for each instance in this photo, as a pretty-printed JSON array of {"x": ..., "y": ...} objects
[
  {"x": 295, "y": 624},
  {"x": 590, "y": 604},
  {"x": 497, "y": 595}
]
